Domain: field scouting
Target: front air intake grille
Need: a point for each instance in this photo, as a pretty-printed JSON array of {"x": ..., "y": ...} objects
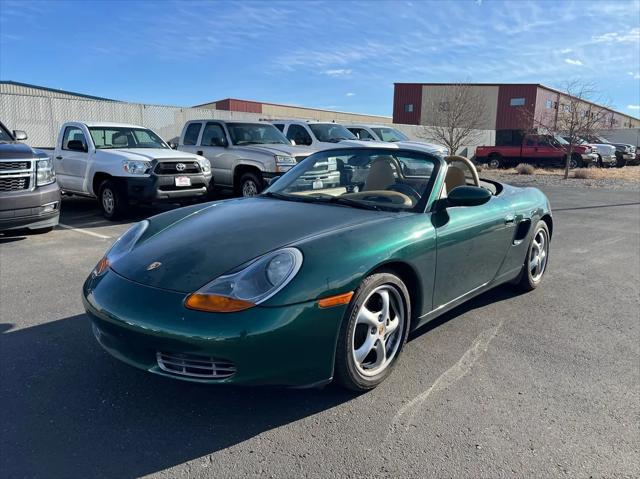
[
  {"x": 14, "y": 184},
  {"x": 177, "y": 168},
  {"x": 14, "y": 165},
  {"x": 195, "y": 366}
]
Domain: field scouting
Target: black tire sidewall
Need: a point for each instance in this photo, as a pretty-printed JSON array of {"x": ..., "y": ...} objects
[
  {"x": 249, "y": 176},
  {"x": 527, "y": 282},
  {"x": 346, "y": 371}
]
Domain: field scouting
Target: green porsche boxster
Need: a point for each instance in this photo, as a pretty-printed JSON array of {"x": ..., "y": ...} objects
[{"x": 312, "y": 281}]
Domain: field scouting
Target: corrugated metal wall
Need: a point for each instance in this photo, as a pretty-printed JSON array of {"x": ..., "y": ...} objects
[
  {"x": 515, "y": 117},
  {"x": 407, "y": 94}
]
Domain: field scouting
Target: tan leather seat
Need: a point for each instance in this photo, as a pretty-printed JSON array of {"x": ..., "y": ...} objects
[
  {"x": 455, "y": 177},
  {"x": 380, "y": 175}
]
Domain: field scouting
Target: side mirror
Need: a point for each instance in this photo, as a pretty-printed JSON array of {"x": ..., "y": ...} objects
[
  {"x": 293, "y": 142},
  {"x": 19, "y": 135},
  {"x": 218, "y": 141},
  {"x": 468, "y": 196},
  {"x": 76, "y": 145},
  {"x": 172, "y": 145}
]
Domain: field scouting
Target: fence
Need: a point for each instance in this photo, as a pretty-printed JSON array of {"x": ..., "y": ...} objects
[{"x": 42, "y": 116}]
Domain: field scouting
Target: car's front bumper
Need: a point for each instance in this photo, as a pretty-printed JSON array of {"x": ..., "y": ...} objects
[
  {"x": 39, "y": 208},
  {"x": 608, "y": 159},
  {"x": 157, "y": 188},
  {"x": 288, "y": 346}
]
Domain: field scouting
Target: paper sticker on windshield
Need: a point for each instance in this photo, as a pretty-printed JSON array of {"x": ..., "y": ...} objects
[{"x": 317, "y": 185}]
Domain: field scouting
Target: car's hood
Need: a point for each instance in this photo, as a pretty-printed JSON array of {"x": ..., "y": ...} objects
[
  {"x": 278, "y": 149},
  {"x": 205, "y": 243},
  {"x": 603, "y": 147},
  {"x": 424, "y": 146},
  {"x": 146, "y": 154},
  {"x": 17, "y": 151}
]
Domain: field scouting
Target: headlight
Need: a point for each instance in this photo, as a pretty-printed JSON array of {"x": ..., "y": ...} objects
[
  {"x": 249, "y": 286},
  {"x": 282, "y": 160},
  {"x": 135, "y": 167},
  {"x": 121, "y": 247},
  {"x": 44, "y": 172},
  {"x": 206, "y": 165}
]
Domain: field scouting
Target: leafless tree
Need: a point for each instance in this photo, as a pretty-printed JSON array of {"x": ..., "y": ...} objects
[
  {"x": 455, "y": 114},
  {"x": 577, "y": 113}
]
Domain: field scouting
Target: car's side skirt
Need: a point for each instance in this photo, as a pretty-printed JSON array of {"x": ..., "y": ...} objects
[{"x": 504, "y": 278}]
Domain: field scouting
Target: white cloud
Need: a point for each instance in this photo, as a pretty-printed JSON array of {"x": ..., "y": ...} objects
[
  {"x": 338, "y": 72},
  {"x": 633, "y": 107},
  {"x": 636, "y": 76},
  {"x": 564, "y": 51},
  {"x": 571, "y": 61},
  {"x": 351, "y": 94},
  {"x": 631, "y": 36}
]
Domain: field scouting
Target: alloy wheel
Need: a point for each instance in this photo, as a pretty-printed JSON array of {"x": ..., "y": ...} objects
[
  {"x": 108, "y": 201},
  {"x": 538, "y": 255},
  {"x": 249, "y": 188},
  {"x": 378, "y": 332}
]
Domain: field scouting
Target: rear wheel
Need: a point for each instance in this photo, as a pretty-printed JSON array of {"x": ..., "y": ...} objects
[
  {"x": 112, "y": 200},
  {"x": 374, "y": 330},
  {"x": 495, "y": 161},
  {"x": 575, "y": 162},
  {"x": 249, "y": 185},
  {"x": 535, "y": 263}
]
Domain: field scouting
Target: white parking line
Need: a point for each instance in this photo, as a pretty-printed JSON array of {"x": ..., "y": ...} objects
[{"x": 79, "y": 230}]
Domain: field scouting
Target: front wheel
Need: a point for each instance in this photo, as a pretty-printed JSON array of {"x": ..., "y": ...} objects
[
  {"x": 374, "y": 330},
  {"x": 112, "y": 200},
  {"x": 250, "y": 185},
  {"x": 575, "y": 162},
  {"x": 535, "y": 263},
  {"x": 494, "y": 162}
]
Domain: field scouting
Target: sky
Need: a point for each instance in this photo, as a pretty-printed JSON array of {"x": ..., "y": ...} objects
[{"x": 342, "y": 55}]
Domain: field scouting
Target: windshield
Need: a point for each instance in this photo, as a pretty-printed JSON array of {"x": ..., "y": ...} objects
[
  {"x": 4, "y": 134},
  {"x": 255, "y": 134},
  {"x": 561, "y": 140},
  {"x": 105, "y": 138},
  {"x": 365, "y": 178},
  {"x": 390, "y": 134},
  {"x": 331, "y": 132}
]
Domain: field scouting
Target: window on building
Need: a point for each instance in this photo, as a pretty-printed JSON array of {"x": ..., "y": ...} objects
[
  {"x": 548, "y": 104},
  {"x": 408, "y": 108},
  {"x": 517, "y": 101}
]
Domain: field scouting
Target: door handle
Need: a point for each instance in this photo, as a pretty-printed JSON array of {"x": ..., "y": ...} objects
[
  {"x": 509, "y": 220},
  {"x": 58, "y": 157},
  {"x": 199, "y": 152}
]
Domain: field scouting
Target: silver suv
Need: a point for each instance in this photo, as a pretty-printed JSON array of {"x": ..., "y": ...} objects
[{"x": 244, "y": 156}]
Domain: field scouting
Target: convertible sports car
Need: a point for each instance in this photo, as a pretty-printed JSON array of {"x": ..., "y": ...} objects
[{"x": 309, "y": 281}]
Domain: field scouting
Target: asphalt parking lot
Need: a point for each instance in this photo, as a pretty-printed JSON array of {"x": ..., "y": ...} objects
[{"x": 545, "y": 384}]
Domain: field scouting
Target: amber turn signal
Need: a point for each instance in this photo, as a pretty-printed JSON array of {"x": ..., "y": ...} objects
[
  {"x": 216, "y": 304},
  {"x": 102, "y": 266},
  {"x": 335, "y": 300}
]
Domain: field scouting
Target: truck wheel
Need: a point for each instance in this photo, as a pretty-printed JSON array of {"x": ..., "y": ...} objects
[
  {"x": 600, "y": 163},
  {"x": 575, "y": 162},
  {"x": 249, "y": 185},
  {"x": 495, "y": 161},
  {"x": 112, "y": 200}
]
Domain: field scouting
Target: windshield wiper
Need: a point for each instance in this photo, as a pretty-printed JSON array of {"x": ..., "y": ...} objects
[{"x": 280, "y": 196}]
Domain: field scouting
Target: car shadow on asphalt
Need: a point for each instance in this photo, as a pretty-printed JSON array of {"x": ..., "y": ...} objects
[{"x": 70, "y": 410}]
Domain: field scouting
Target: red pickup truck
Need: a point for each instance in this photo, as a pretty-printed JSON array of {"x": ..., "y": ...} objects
[{"x": 539, "y": 150}]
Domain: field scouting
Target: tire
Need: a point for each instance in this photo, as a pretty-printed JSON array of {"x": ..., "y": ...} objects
[
  {"x": 528, "y": 280},
  {"x": 620, "y": 161},
  {"x": 112, "y": 200},
  {"x": 250, "y": 184},
  {"x": 575, "y": 162},
  {"x": 368, "y": 333},
  {"x": 494, "y": 161},
  {"x": 600, "y": 163}
]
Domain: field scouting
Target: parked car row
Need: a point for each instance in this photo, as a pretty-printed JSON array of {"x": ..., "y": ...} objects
[
  {"x": 545, "y": 150},
  {"x": 123, "y": 164}
]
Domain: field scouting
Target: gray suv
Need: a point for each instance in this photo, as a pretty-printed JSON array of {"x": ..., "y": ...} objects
[{"x": 244, "y": 156}]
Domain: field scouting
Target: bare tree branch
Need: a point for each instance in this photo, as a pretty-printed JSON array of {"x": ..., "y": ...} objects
[{"x": 456, "y": 114}]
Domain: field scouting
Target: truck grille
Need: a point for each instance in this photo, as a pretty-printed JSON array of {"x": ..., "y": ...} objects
[
  {"x": 195, "y": 366},
  {"x": 171, "y": 168},
  {"x": 15, "y": 165},
  {"x": 14, "y": 184}
]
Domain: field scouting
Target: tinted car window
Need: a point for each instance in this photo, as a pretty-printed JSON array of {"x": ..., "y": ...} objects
[
  {"x": 331, "y": 132},
  {"x": 298, "y": 134},
  {"x": 361, "y": 133},
  {"x": 72, "y": 133},
  {"x": 255, "y": 134},
  {"x": 279, "y": 126},
  {"x": 4, "y": 134},
  {"x": 191, "y": 135},
  {"x": 212, "y": 133}
]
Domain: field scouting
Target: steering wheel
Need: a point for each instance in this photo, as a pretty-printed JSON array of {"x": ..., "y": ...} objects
[{"x": 405, "y": 189}]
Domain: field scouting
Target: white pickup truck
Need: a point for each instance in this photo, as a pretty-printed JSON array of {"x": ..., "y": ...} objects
[{"x": 122, "y": 164}]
